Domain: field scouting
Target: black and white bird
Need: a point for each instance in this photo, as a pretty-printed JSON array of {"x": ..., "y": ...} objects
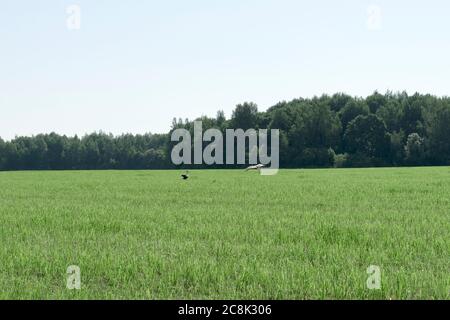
[
  {"x": 185, "y": 176},
  {"x": 257, "y": 167}
]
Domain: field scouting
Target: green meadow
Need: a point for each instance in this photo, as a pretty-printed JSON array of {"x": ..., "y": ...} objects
[{"x": 226, "y": 234}]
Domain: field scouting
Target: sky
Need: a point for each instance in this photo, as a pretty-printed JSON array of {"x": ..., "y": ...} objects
[{"x": 131, "y": 66}]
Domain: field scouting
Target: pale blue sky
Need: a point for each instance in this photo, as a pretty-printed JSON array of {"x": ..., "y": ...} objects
[{"x": 134, "y": 65}]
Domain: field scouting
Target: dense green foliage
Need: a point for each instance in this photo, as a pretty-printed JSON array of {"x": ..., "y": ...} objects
[
  {"x": 226, "y": 234},
  {"x": 339, "y": 130}
]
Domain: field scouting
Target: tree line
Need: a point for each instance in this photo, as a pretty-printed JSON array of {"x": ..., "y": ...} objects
[{"x": 391, "y": 129}]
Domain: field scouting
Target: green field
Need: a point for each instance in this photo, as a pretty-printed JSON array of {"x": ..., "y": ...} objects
[{"x": 303, "y": 234}]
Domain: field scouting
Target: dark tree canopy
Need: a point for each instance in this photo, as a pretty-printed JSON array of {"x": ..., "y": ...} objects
[
  {"x": 367, "y": 135},
  {"x": 351, "y": 110},
  {"x": 245, "y": 116},
  {"x": 393, "y": 129}
]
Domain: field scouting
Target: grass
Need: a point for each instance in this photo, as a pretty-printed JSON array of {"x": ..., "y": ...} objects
[{"x": 303, "y": 234}]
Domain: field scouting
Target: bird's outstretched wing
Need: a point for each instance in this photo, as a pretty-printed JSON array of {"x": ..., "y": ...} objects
[{"x": 257, "y": 167}]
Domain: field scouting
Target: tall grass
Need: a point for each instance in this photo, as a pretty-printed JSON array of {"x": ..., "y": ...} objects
[{"x": 303, "y": 234}]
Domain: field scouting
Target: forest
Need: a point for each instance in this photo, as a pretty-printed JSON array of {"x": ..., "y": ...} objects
[{"x": 391, "y": 129}]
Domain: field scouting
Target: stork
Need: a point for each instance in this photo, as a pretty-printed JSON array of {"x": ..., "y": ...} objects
[
  {"x": 185, "y": 176},
  {"x": 256, "y": 167}
]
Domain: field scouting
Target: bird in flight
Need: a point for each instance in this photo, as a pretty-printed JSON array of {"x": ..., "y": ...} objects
[{"x": 257, "y": 167}]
